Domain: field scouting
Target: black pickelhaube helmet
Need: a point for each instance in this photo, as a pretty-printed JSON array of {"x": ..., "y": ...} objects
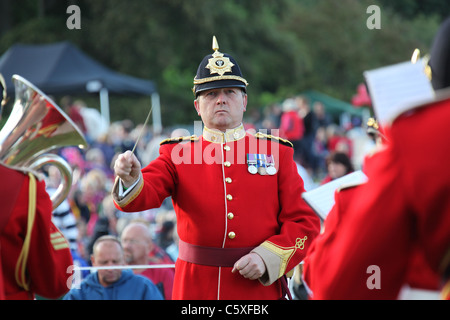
[{"x": 218, "y": 70}]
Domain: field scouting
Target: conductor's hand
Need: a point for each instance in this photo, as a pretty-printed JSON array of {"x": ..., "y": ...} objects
[
  {"x": 250, "y": 266},
  {"x": 127, "y": 168}
]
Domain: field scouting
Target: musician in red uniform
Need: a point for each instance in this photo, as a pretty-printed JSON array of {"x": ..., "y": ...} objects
[
  {"x": 241, "y": 221},
  {"x": 420, "y": 275},
  {"x": 403, "y": 209},
  {"x": 34, "y": 255}
]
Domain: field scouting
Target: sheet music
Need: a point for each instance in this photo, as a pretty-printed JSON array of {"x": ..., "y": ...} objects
[
  {"x": 397, "y": 88},
  {"x": 321, "y": 199}
]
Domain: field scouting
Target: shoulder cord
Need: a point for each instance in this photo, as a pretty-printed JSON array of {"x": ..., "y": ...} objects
[{"x": 23, "y": 257}]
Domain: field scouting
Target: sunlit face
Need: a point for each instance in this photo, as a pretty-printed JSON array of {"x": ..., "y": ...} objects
[
  {"x": 136, "y": 245},
  {"x": 221, "y": 108},
  {"x": 108, "y": 253}
]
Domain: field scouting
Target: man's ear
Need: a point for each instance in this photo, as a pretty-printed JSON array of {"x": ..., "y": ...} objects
[
  {"x": 197, "y": 106},
  {"x": 245, "y": 101}
]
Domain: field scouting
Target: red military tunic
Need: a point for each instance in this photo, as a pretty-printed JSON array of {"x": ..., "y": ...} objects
[
  {"x": 219, "y": 204},
  {"x": 319, "y": 259},
  {"x": 404, "y": 207},
  {"x": 48, "y": 257}
]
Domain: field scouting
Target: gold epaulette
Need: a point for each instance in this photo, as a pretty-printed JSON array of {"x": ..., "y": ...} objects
[
  {"x": 179, "y": 139},
  {"x": 260, "y": 135}
]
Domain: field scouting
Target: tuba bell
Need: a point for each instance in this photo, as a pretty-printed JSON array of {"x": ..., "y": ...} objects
[{"x": 35, "y": 126}]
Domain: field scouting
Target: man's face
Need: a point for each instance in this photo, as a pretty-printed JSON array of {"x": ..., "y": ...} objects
[
  {"x": 221, "y": 108},
  {"x": 108, "y": 253},
  {"x": 135, "y": 246}
]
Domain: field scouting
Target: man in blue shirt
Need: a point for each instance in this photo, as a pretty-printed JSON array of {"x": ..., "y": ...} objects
[{"x": 113, "y": 284}]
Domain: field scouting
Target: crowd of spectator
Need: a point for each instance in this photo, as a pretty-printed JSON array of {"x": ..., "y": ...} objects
[{"x": 89, "y": 213}]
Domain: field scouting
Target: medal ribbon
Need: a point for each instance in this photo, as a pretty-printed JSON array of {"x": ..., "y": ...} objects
[
  {"x": 251, "y": 158},
  {"x": 269, "y": 161},
  {"x": 261, "y": 160}
]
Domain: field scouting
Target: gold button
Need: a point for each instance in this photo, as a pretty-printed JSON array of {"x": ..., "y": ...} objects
[
  {"x": 230, "y": 215},
  {"x": 227, "y": 148},
  {"x": 228, "y": 180},
  {"x": 229, "y": 197},
  {"x": 231, "y": 235},
  {"x": 227, "y": 164}
]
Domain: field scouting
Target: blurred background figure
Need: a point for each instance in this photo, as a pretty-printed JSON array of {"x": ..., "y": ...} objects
[
  {"x": 338, "y": 165},
  {"x": 137, "y": 245},
  {"x": 291, "y": 126}
]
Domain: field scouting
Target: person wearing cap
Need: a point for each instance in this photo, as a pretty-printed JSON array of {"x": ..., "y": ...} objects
[
  {"x": 402, "y": 212},
  {"x": 241, "y": 221}
]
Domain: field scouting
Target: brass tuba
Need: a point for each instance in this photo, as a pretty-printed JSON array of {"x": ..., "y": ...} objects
[{"x": 35, "y": 126}]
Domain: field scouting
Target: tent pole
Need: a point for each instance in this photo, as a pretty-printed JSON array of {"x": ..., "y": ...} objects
[
  {"x": 104, "y": 104},
  {"x": 156, "y": 116}
]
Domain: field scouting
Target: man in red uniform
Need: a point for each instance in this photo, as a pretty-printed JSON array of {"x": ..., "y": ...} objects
[
  {"x": 403, "y": 209},
  {"x": 420, "y": 276},
  {"x": 241, "y": 220},
  {"x": 35, "y": 256}
]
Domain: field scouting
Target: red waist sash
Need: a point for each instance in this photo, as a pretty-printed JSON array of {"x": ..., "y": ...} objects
[{"x": 211, "y": 256}]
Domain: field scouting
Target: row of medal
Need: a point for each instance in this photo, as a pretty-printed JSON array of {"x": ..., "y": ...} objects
[{"x": 261, "y": 163}]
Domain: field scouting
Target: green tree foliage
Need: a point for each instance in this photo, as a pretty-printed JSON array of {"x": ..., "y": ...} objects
[{"x": 283, "y": 47}]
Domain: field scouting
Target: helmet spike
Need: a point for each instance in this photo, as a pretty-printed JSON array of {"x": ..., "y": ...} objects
[{"x": 215, "y": 44}]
